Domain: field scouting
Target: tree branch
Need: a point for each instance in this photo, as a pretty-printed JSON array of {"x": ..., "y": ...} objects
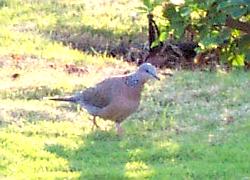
[{"x": 236, "y": 24}]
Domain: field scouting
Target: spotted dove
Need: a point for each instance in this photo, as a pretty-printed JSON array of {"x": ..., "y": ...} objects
[{"x": 114, "y": 98}]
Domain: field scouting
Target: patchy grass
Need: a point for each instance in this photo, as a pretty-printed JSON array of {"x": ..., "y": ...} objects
[
  {"x": 194, "y": 125},
  {"x": 39, "y": 28}
]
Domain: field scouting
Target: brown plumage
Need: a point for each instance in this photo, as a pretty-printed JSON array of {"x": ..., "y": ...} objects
[{"x": 114, "y": 98}]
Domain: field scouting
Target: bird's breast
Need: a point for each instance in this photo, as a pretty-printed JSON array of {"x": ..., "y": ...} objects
[
  {"x": 134, "y": 93},
  {"x": 125, "y": 109}
]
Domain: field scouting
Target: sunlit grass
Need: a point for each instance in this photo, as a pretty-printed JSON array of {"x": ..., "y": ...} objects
[
  {"x": 137, "y": 170},
  {"x": 194, "y": 125},
  {"x": 35, "y": 45},
  {"x": 27, "y": 147},
  {"x": 175, "y": 133},
  {"x": 39, "y": 28}
]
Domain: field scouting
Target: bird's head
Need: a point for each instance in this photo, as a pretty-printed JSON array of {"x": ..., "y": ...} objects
[{"x": 147, "y": 71}]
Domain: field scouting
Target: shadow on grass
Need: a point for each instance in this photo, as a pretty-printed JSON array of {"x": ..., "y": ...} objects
[
  {"x": 20, "y": 114},
  {"x": 100, "y": 156},
  {"x": 103, "y": 155},
  {"x": 113, "y": 41},
  {"x": 94, "y": 40}
]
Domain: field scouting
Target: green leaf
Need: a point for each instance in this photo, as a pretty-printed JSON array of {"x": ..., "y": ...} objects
[
  {"x": 222, "y": 36},
  {"x": 244, "y": 42},
  {"x": 230, "y": 3},
  {"x": 219, "y": 18},
  {"x": 247, "y": 2},
  {"x": 238, "y": 60},
  {"x": 146, "y": 3},
  {"x": 210, "y": 2},
  {"x": 163, "y": 36},
  {"x": 244, "y": 46},
  {"x": 155, "y": 43},
  {"x": 237, "y": 12},
  {"x": 142, "y": 9},
  {"x": 178, "y": 27},
  {"x": 236, "y": 2},
  {"x": 171, "y": 13},
  {"x": 185, "y": 11},
  {"x": 247, "y": 56},
  {"x": 157, "y": 2},
  {"x": 214, "y": 39}
]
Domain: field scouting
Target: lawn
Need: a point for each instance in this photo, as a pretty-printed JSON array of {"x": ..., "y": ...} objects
[{"x": 193, "y": 125}]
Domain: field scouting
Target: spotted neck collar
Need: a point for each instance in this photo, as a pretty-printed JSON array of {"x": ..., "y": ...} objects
[{"x": 132, "y": 80}]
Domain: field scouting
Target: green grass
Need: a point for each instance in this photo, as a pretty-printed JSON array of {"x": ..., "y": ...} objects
[
  {"x": 194, "y": 125},
  {"x": 39, "y": 28},
  {"x": 181, "y": 131}
]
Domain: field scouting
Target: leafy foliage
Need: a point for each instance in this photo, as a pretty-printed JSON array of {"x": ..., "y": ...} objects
[
  {"x": 215, "y": 24},
  {"x": 148, "y": 5}
]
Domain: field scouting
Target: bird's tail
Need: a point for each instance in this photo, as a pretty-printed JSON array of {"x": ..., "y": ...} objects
[{"x": 67, "y": 99}]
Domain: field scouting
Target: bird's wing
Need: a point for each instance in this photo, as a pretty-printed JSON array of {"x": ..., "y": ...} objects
[
  {"x": 98, "y": 96},
  {"x": 118, "y": 109}
]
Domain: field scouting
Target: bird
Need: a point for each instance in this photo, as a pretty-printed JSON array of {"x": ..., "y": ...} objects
[{"x": 114, "y": 98}]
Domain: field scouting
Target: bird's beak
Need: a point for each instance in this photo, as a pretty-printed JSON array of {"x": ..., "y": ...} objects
[{"x": 156, "y": 77}]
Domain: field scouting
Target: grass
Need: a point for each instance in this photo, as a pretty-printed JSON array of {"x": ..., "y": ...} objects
[
  {"x": 194, "y": 125},
  {"x": 27, "y": 28}
]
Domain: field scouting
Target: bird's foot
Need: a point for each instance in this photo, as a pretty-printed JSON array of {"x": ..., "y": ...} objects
[
  {"x": 94, "y": 124},
  {"x": 119, "y": 129}
]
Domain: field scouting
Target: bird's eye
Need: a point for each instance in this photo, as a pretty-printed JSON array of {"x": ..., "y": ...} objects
[{"x": 147, "y": 71}]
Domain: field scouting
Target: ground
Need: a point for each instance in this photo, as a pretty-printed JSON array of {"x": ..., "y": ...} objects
[{"x": 193, "y": 125}]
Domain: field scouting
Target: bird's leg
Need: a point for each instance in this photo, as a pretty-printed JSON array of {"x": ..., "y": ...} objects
[
  {"x": 119, "y": 129},
  {"x": 94, "y": 123}
]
